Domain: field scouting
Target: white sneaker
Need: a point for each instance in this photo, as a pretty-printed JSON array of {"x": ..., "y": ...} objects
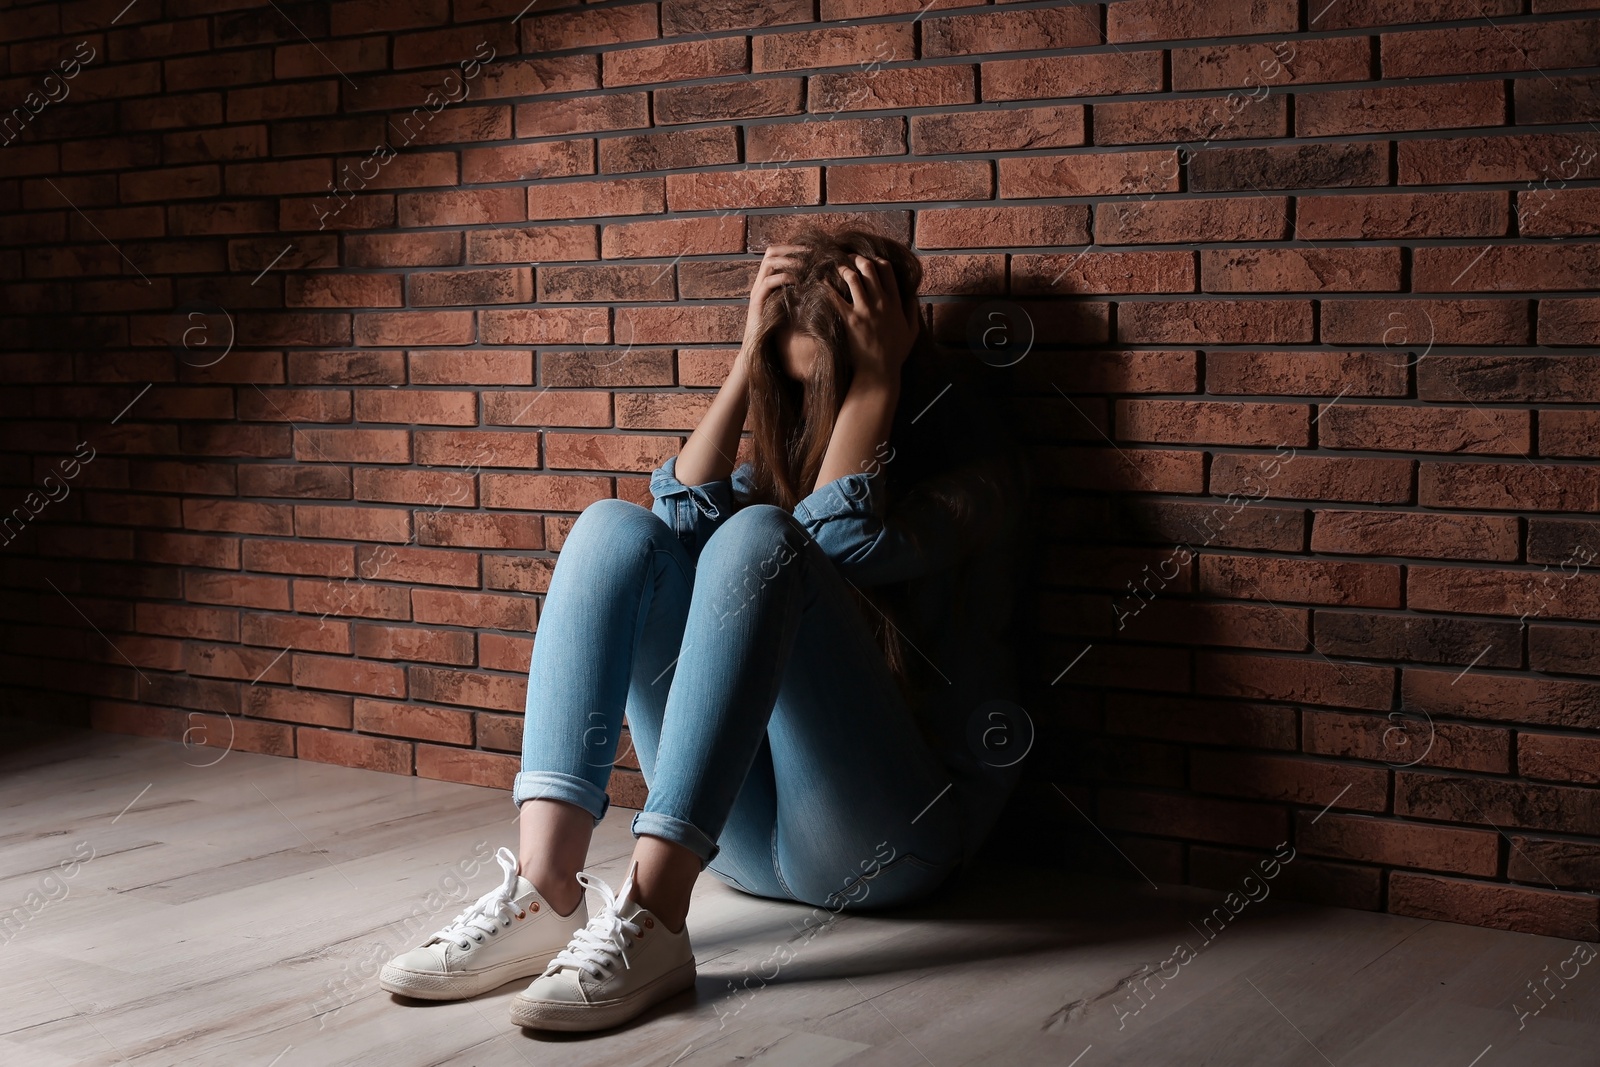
[
  {"x": 510, "y": 933},
  {"x": 583, "y": 989}
]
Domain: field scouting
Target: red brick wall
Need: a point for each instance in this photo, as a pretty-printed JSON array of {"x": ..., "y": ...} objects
[{"x": 1309, "y": 292}]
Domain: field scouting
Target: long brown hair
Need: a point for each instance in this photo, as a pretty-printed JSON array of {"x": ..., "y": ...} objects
[{"x": 792, "y": 421}]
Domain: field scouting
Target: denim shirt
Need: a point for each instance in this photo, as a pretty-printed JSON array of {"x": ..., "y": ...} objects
[{"x": 960, "y": 603}]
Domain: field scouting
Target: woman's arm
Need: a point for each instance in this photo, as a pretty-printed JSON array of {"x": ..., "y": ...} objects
[
  {"x": 881, "y": 328},
  {"x": 708, "y": 454}
]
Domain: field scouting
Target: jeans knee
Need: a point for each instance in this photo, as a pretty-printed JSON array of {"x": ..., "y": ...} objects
[
  {"x": 614, "y": 523},
  {"x": 754, "y": 533}
]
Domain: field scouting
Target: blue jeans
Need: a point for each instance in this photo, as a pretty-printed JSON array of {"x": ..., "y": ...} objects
[{"x": 774, "y": 741}]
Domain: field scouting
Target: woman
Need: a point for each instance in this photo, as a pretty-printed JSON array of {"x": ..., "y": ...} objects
[{"x": 802, "y": 646}]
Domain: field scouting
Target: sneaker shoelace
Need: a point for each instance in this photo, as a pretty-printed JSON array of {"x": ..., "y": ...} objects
[
  {"x": 597, "y": 947},
  {"x": 489, "y": 912}
]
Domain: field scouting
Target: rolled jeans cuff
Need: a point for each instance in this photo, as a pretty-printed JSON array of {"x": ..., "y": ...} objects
[
  {"x": 553, "y": 785},
  {"x": 677, "y": 831}
]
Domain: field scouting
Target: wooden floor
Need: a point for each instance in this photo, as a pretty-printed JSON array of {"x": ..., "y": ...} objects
[{"x": 235, "y": 914}]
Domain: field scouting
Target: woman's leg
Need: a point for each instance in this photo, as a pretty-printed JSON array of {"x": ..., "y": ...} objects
[
  {"x": 612, "y": 622},
  {"x": 786, "y": 755}
]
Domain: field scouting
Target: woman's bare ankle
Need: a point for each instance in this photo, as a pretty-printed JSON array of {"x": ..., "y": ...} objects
[{"x": 561, "y": 890}]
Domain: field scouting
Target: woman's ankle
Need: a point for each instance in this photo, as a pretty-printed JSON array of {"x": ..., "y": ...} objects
[{"x": 561, "y": 890}]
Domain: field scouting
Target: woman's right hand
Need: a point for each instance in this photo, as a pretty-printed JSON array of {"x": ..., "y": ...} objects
[{"x": 776, "y": 266}]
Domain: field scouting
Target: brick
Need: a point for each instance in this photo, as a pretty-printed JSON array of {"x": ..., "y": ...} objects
[
  {"x": 432, "y": 488},
  {"x": 346, "y": 523},
  {"x": 350, "y": 597},
  {"x": 1569, "y": 433},
  {"x": 427, "y": 566},
  {"x": 1418, "y": 638},
  {"x": 290, "y": 705},
  {"x": 1349, "y": 14},
  {"x": 1503, "y": 907},
  {"x": 478, "y": 610},
  {"x": 1396, "y": 533},
  {"x": 1299, "y": 270},
  {"x": 1513, "y": 486},
  {"x": 1258, "y": 677},
  {"x": 352, "y": 446},
  {"x": 544, "y": 326},
  {"x": 1425, "y": 322},
  {"x": 1262, "y": 218},
  {"x": 1519, "y": 268},
  {"x": 788, "y": 141},
  {"x": 1306, "y": 166},
  {"x": 1501, "y": 698},
  {"x": 347, "y": 368},
  {"x": 1558, "y": 757},
  {"x": 348, "y": 675},
  {"x": 1060, "y": 126},
  {"x": 470, "y": 367},
  {"x": 675, "y": 149},
  {"x": 573, "y": 200},
  {"x": 1215, "y": 322},
  {"x": 1393, "y": 427},
  {"x": 1203, "y": 119},
  {"x": 499, "y": 652},
  {"x": 1411, "y": 107},
  {"x": 877, "y": 89},
  {"x": 290, "y": 557},
  {"x": 461, "y": 207},
  {"x": 674, "y": 237},
  {"x": 610, "y": 283},
  {"x": 1557, "y": 213},
  {"x": 407, "y": 643},
  {"x": 472, "y": 450},
  {"x": 1497, "y": 158},
  {"x": 632, "y": 366},
  {"x": 547, "y": 408},
  {"x": 1564, "y": 650},
  {"x": 520, "y": 573},
  {"x": 353, "y": 750},
  {"x": 1407, "y": 739},
  {"x": 587, "y": 114},
  {"x": 1097, "y": 174},
  {"x": 281, "y": 632},
  {"x": 834, "y": 46},
  {"x": 661, "y": 411},
  {"x": 480, "y": 531},
  {"x": 1052, "y": 77},
  {"x": 1012, "y": 31},
  {"x": 1562, "y": 540},
  {"x": 466, "y": 766},
  {"x": 1303, "y": 581},
  {"x": 1103, "y": 272},
  {"x": 1558, "y": 99},
  {"x": 543, "y": 492},
  {"x": 1541, "y": 593},
  {"x": 527, "y": 162},
  {"x": 1325, "y": 478},
  {"x": 1270, "y": 65},
  {"x": 1290, "y": 779},
  {"x": 415, "y": 328},
  {"x": 529, "y": 244},
  {"x": 999, "y": 227},
  {"x": 609, "y": 452},
  {"x": 238, "y": 590},
  {"x": 1569, "y": 322},
  {"x": 1206, "y": 523},
  {"x": 873, "y": 183},
  {"x": 295, "y": 480},
  {"x": 413, "y": 722},
  {"x": 554, "y": 32},
  {"x": 1305, "y": 373},
  {"x": 716, "y": 190},
  {"x": 295, "y": 405},
  {"x": 1365, "y": 839},
  {"x": 1508, "y": 378},
  {"x": 681, "y": 61},
  {"x": 1163, "y": 20},
  {"x": 1387, "y": 215},
  {"x": 225, "y": 661}
]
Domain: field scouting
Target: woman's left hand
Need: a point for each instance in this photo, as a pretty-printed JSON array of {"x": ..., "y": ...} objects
[{"x": 881, "y": 326}]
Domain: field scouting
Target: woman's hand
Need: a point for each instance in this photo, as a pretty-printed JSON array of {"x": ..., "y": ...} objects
[
  {"x": 776, "y": 264},
  {"x": 879, "y": 323}
]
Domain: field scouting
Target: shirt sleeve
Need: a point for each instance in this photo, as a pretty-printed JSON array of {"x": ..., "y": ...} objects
[
  {"x": 695, "y": 511},
  {"x": 930, "y": 529}
]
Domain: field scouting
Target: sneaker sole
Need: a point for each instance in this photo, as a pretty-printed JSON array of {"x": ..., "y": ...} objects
[
  {"x": 601, "y": 1015},
  {"x": 459, "y": 985}
]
